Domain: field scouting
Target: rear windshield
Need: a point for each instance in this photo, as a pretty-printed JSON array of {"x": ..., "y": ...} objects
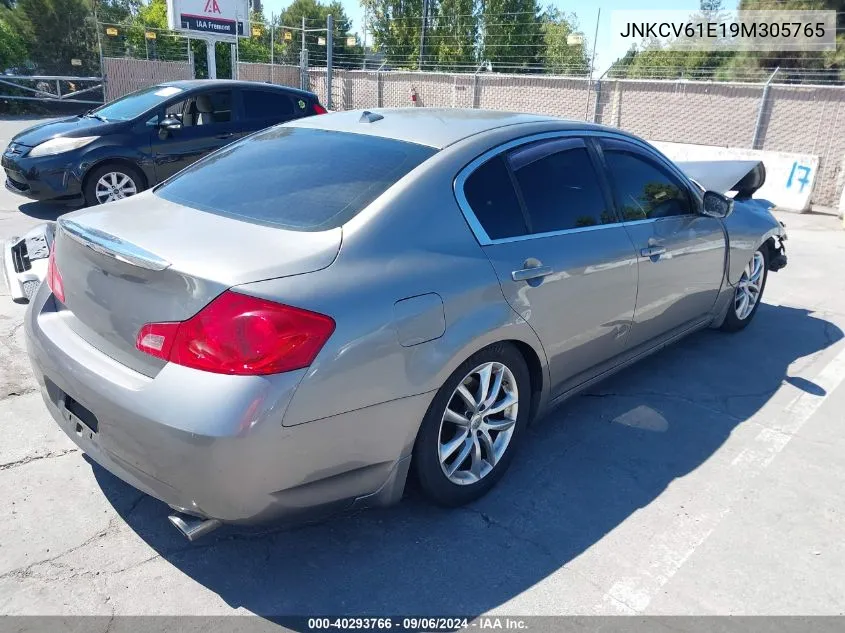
[{"x": 296, "y": 178}]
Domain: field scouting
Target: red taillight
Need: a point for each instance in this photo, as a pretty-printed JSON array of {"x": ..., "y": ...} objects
[
  {"x": 54, "y": 277},
  {"x": 239, "y": 334},
  {"x": 318, "y": 109}
]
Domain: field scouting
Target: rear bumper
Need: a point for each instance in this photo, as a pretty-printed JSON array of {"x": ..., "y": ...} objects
[{"x": 214, "y": 446}]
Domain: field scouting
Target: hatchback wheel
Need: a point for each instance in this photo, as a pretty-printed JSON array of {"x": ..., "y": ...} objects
[
  {"x": 748, "y": 293},
  {"x": 112, "y": 182},
  {"x": 470, "y": 432}
]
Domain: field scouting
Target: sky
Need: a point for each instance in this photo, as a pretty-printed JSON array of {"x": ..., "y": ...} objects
[{"x": 585, "y": 10}]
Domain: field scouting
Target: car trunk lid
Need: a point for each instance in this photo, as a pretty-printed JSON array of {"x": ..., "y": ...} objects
[{"x": 146, "y": 260}]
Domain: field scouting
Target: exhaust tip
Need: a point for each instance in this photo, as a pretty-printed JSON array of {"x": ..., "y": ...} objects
[{"x": 193, "y": 528}]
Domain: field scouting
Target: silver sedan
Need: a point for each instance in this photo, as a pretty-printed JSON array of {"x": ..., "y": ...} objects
[{"x": 303, "y": 320}]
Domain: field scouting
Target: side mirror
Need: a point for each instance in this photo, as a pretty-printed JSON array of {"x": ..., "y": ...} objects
[
  {"x": 168, "y": 125},
  {"x": 716, "y": 205}
]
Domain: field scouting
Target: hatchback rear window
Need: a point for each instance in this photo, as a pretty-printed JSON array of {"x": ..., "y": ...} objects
[{"x": 296, "y": 178}]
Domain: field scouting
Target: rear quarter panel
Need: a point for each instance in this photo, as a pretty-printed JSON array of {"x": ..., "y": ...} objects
[{"x": 412, "y": 241}]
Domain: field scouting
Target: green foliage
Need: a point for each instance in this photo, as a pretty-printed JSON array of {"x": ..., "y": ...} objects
[
  {"x": 559, "y": 56},
  {"x": 12, "y": 43},
  {"x": 454, "y": 34},
  {"x": 56, "y": 31},
  {"x": 513, "y": 35},
  {"x": 315, "y": 14},
  {"x": 396, "y": 26}
]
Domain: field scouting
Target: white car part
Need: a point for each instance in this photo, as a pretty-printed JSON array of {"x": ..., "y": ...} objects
[{"x": 25, "y": 261}]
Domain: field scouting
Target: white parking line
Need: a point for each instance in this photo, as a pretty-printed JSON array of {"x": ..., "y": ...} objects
[{"x": 667, "y": 551}]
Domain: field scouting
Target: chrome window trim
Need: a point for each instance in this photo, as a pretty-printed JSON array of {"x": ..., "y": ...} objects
[{"x": 469, "y": 169}]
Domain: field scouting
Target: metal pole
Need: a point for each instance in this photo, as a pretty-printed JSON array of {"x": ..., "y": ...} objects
[
  {"x": 210, "y": 58},
  {"x": 272, "y": 46},
  {"x": 329, "y": 42},
  {"x": 236, "y": 51},
  {"x": 592, "y": 66},
  {"x": 100, "y": 48},
  {"x": 422, "y": 32},
  {"x": 303, "y": 61},
  {"x": 758, "y": 124}
]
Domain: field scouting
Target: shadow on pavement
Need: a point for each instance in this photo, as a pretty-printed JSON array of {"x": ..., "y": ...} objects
[
  {"x": 45, "y": 210},
  {"x": 581, "y": 472}
]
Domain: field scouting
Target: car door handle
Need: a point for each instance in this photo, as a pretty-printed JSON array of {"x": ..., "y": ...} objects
[
  {"x": 653, "y": 251},
  {"x": 535, "y": 272},
  {"x": 225, "y": 136}
]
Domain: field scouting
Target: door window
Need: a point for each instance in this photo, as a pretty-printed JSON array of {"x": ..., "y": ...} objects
[
  {"x": 559, "y": 186},
  {"x": 493, "y": 200},
  {"x": 263, "y": 104},
  {"x": 644, "y": 190},
  {"x": 207, "y": 108}
]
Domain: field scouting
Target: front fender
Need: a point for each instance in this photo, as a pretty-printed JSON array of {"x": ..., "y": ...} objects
[
  {"x": 115, "y": 151},
  {"x": 749, "y": 226}
]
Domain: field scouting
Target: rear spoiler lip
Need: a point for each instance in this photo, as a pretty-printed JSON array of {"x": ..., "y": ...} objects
[{"x": 112, "y": 246}]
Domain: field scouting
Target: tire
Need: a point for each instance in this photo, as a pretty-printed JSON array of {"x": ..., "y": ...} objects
[
  {"x": 474, "y": 476},
  {"x": 128, "y": 178},
  {"x": 738, "y": 316}
]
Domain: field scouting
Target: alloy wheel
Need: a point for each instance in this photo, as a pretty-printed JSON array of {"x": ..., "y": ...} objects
[
  {"x": 478, "y": 423},
  {"x": 749, "y": 287},
  {"x": 114, "y": 185}
]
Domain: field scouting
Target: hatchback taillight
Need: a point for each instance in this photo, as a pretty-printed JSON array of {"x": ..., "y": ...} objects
[
  {"x": 54, "y": 277},
  {"x": 318, "y": 109},
  {"x": 239, "y": 334}
]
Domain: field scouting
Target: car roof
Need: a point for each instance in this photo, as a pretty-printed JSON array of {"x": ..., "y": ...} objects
[
  {"x": 195, "y": 84},
  {"x": 434, "y": 127}
]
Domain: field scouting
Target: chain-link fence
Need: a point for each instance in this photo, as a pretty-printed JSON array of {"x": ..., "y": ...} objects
[{"x": 777, "y": 111}]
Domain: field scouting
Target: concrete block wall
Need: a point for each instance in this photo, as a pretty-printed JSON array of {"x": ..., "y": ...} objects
[{"x": 809, "y": 120}]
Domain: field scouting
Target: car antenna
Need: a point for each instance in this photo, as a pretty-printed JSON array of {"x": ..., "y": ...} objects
[{"x": 370, "y": 117}]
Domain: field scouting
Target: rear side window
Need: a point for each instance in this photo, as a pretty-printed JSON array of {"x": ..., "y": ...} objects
[
  {"x": 209, "y": 107},
  {"x": 295, "y": 178},
  {"x": 263, "y": 104},
  {"x": 492, "y": 198},
  {"x": 560, "y": 188},
  {"x": 643, "y": 190}
]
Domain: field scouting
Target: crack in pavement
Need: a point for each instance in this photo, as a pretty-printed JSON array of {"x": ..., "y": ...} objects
[
  {"x": 34, "y": 458},
  {"x": 673, "y": 396},
  {"x": 27, "y": 571},
  {"x": 492, "y": 522},
  {"x": 20, "y": 392}
]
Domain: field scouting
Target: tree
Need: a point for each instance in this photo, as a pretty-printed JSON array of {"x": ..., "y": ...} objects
[
  {"x": 710, "y": 6},
  {"x": 396, "y": 26},
  {"x": 12, "y": 44},
  {"x": 513, "y": 39},
  {"x": 117, "y": 11},
  {"x": 315, "y": 14},
  {"x": 56, "y": 31},
  {"x": 454, "y": 35},
  {"x": 561, "y": 57}
]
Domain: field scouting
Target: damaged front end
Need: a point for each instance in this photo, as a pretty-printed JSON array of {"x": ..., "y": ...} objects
[
  {"x": 25, "y": 261},
  {"x": 741, "y": 179},
  {"x": 777, "y": 250}
]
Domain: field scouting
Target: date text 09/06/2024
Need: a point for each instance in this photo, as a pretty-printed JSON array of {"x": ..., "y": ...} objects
[{"x": 417, "y": 623}]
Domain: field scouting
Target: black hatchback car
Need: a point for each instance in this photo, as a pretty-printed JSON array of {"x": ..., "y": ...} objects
[{"x": 130, "y": 144}]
